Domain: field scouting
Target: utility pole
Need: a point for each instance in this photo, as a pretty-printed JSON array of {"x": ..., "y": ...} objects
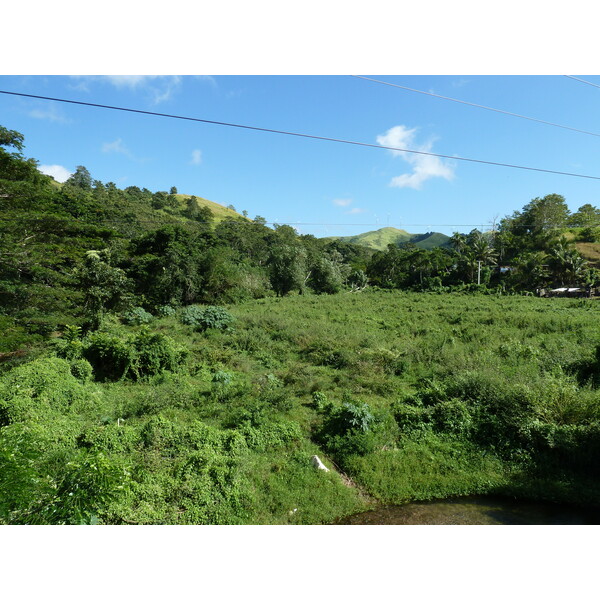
[{"x": 478, "y": 272}]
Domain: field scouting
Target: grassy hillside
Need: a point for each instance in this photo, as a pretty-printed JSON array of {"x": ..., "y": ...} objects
[
  {"x": 219, "y": 211},
  {"x": 381, "y": 238},
  {"x": 428, "y": 241},
  {"x": 590, "y": 251}
]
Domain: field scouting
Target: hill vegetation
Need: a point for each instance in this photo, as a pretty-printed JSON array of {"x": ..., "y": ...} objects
[
  {"x": 163, "y": 360},
  {"x": 382, "y": 238}
]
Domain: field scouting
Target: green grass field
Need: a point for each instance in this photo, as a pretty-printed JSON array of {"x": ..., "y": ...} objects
[{"x": 404, "y": 396}]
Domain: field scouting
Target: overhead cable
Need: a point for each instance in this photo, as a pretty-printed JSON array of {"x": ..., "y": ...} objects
[
  {"x": 303, "y": 135},
  {"x": 498, "y": 110},
  {"x": 251, "y": 222},
  {"x": 582, "y": 80}
]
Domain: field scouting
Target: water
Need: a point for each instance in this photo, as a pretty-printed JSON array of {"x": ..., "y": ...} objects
[{"x": 476, "y": 511}]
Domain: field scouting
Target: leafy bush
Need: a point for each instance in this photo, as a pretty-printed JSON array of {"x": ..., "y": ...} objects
[
  {"x": 137, "y": 316},
  {"x": 319, "y": 400},
  {"x": 211, "y": 317},
  {"x": 347, "y": 429},
  {"x": 154, "y": 353},
  {"x": 88, "y": 483},
  {"x": 392, "y": 363},
  {"x": 411, "y": 418},
  {"x": 166, "y": 311},
  {"x": 191, "y": 315},
  {"x": 45, "y": 384},
  {"x": 81, "y": 369},
  {"x": 139, "y": 356},
  {"x": 589, "y": 234},
  {"x": 325, "y": 354},
  {"x": 452, "y": 416},
  {"x": 110, "y": 355},
  {"x": 270, "y": 434}
]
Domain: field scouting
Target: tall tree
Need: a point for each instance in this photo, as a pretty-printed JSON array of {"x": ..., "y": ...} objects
[
  {"x": 80, "y": 179},
  {"x": 586, "y": 216},
  {"x": 287, "y": 268}
]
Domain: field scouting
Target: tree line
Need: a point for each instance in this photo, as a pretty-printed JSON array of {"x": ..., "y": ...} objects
[{"x": 75, "y": 251}]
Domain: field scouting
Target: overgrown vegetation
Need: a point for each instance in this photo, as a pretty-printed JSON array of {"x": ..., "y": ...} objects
[{"x": 187, "y": 372}]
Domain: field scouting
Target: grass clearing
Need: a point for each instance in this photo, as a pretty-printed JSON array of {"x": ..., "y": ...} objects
[{"x": 414, "y": 396}]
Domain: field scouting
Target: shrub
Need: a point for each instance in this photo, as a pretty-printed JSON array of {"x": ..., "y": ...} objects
[
  {"x": 140, "y": 356},
  {"x": 324, "y": 354},
  {"x": 137, "y": 316},
  {"x": 589, "y": 234},
  {"x": 110, "y": 356},
  {"x": 88, "y": 483},
  {"x": 154, "y": 353},
  {"x": 392, "y": 363},
  {"x": 211, "y": 317},
  {"x": 452, "y": 416},
  {"x": 347, "y": 429},
  {"x": 81, "y": 369},
  {"x": 410, "y": 418},
  {"x": 319, "y": 400},
  {"x": 270, "y": 434},
  {"x": 165, "y": 311},
  {"x": 45, "y": 384}
]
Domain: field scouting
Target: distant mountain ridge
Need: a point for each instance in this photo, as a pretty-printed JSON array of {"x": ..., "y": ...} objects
[{"x": 381, "y": 238}]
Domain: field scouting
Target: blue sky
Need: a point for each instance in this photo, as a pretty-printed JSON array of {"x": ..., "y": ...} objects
[{"x": 324, "y": 188}]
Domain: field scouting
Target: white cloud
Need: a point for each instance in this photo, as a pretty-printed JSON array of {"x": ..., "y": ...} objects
[
  {"x": 346, "y": 202},
  {"x": 208, "y": 78},
  {"x": 49, "y": 114},
  {"x": 424, "y": 166},
  {"x": 116, "y": 147},
  {"x": 129, "y": 81},
  {"x": 167, "y": 88},
  {"x": 57, "y": 171},
  {"x": 460, "y": 83},
  {"x": 159, "y": 88},
  {"x": 196, "y": 157},
  {"x": 342, "y": 202}
]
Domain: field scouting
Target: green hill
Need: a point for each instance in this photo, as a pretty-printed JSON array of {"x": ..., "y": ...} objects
[
  {"x": 219, "y": 211},
  {"x": 381, "y": 238}
]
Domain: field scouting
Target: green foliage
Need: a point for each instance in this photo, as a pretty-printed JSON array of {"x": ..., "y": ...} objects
[
  {"x": 87, "y": 484},
  {"x": 287, "y": 263},
  {"x": 441, "y": 393},
  {"x": 81, "y": 369},
  {"x": 137, "y": 316},
  {"x": 80, "y": 179},
  {"x": 110, "y": 355},
  {"x": 270, "y": 435},
  {"x": 29, "y": 390},
  {"x": 140, "y": 356},
  {"x": 166, "y": 311},
  {"x": 348, "y": 429},
  {"x": 326, "y": 277},
  {"x": 105, "y": 288},
  {"x": 590, "y": 234},
  {"x": 210, "y": 317},
  {"x": 9, "y": 137}
]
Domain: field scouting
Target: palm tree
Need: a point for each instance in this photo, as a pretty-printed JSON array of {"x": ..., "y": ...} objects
[
  {"x": 458, "y": 241},
  {"x": 567, "y": 264}
]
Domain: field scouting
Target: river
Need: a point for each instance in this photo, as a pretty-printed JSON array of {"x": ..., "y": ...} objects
[{"x": 476, "y": 510}]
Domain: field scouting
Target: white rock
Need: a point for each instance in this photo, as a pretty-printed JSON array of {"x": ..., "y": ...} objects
[{"x": 316, "y": 461}]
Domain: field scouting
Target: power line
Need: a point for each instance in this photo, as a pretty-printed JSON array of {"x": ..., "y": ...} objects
[
  {"x": 250, "y": 222},
  {"x": 504, "y": 112},
  {"x": 582, "y": 80},
  {"x": 303, "y": 135}
]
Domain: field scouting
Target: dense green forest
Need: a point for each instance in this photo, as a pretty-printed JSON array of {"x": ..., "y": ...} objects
[{"x": 166, "y": 360}]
